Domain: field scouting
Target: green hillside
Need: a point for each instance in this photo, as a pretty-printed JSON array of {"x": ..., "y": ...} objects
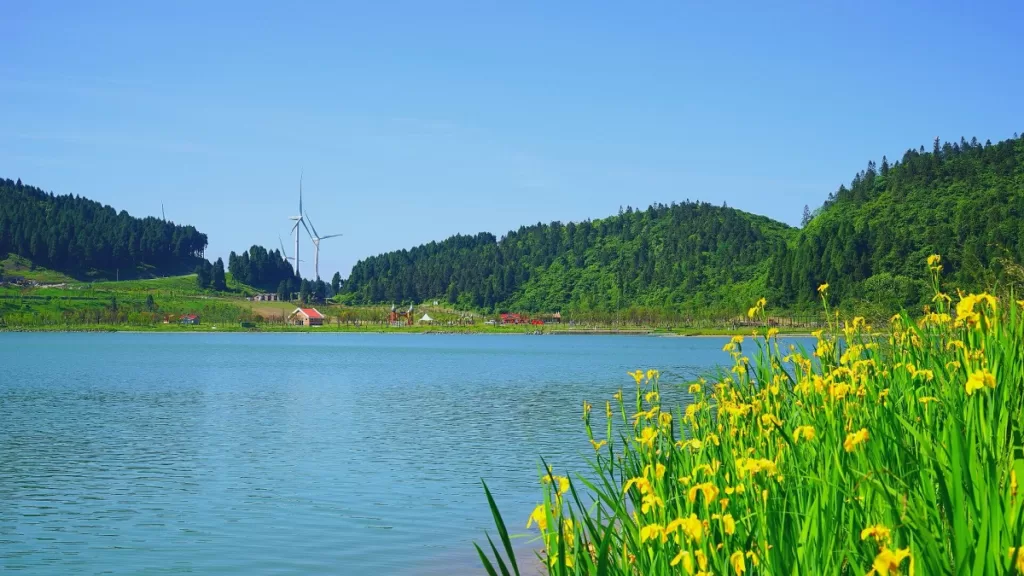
[
  {"x": 684, "y": 257},
  {"x": 15, "y": 266},
  {"x": 85, "y": 239},
  {"x": 964, "y": 201}
]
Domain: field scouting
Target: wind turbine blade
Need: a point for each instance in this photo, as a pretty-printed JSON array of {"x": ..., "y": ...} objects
[
  {"x": 303, "y": 222},
  {"x": 330, "y": 236},
  {"x": 281, "y": 242},
  {"x": 294, "y": 227},
  {"x": 300, "y": 194},
  {"x": 306, "y": 218}
]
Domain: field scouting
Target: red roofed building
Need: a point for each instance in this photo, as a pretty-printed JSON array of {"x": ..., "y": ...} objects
[
  {"x": 190, "y": 319},
  {"x": 307, "y": 317}
]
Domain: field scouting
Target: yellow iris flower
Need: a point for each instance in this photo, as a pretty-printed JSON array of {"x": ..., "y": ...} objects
[
  {"x": 854, "y": 439},
  {"x": 888, "y": 561},
  {"x": 979, "y": 380},
  {"x": 879, "y": 532},
  {"x": 805, "y": 432},
  {"x": 738, "y": 562}
]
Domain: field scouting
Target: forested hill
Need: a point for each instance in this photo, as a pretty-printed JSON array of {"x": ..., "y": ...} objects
[
  {"x": 684, "y": 256},
  {"x": 869, "y": 241},
  {"x": 83, "y": 237}
]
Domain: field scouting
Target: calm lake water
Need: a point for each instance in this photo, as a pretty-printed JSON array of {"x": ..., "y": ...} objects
[{"x": 292, "y": 454}]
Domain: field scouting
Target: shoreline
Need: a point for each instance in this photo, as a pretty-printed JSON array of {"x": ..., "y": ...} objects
[{"x": 714, "y": 333}]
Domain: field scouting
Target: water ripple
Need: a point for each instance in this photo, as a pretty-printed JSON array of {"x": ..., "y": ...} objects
[{"x": 333, "y": 454}]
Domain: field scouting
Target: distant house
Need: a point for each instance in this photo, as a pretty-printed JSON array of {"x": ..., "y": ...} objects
[
  {"x": 307, "y": 317},
  {"x": 190, "y": 319},
  {"x": 507, "y": 318},
  {"x": 265, "y": 297}
]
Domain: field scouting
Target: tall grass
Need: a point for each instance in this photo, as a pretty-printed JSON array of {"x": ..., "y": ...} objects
[{"x": 889, "y": 452}]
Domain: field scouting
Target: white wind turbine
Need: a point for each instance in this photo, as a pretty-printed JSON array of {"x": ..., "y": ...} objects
[
  {"x": 284, "y": 255},
  {"x": 295, "y": 229},
  {"x": 316, "y": 238}
]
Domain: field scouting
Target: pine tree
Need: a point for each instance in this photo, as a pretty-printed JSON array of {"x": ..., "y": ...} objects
[
  {"x": 202, "y": 277},
  {"x": 336, "y": 282},
  {"x": 806, "y": 219},
  {"x": 217, "y": 280}
]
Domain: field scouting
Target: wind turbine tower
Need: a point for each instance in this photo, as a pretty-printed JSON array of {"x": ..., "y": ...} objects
[
  {"x": 316, "y": 238},
  {"x": 295, "y": 229}
]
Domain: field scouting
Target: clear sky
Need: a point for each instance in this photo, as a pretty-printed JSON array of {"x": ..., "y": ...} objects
[{"x": 414, "y": 121}]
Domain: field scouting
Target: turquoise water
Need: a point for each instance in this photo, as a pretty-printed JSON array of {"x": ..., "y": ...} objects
[{"x": 291, "y": 454}]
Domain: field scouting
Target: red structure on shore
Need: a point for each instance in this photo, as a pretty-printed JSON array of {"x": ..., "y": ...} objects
[{"x": 398, "y": 318}]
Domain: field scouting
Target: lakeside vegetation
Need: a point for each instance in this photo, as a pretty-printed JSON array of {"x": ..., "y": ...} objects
[
  {"x": 158, "y": 304},
  {"x": 897, "y": 453}
]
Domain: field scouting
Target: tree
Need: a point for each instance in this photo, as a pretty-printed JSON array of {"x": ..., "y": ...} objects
[
  {"x": 806, "y": 219},
  {"x": 217, "y": 280},
  {"x": 336, "y": 282},
  {"x": 150, "y": 304},
  {"x": 284, "y": 290},
  {"x": 319, "y": 291},
  {"x": 202, "y": 276},
  {"x": 304, "y": 291}
]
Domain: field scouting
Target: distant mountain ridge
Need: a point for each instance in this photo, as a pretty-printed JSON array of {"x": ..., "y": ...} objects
[
  {"x": 869, "y": 241},
  {"x": 680, "y": 255},
  {"x": 82, "y": 237}
]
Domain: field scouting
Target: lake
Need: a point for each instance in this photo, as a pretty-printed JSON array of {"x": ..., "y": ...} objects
[{"x": 293, "y": 453}]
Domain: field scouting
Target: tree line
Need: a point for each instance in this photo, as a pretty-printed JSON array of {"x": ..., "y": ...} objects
[
  {"x": 78, "y": 236},
  {"x": 868, "y": 241},
  {"x": 270, "y": 271},
  {"x": 677, "y": 256},
  {"x": 963, "y": 200}
]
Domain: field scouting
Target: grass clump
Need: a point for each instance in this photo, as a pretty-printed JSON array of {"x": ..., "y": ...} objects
[{"x": 897, "y": 452}]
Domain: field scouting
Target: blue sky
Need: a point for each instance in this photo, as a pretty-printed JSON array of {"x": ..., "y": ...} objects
[{"x": 414, "y": 121}]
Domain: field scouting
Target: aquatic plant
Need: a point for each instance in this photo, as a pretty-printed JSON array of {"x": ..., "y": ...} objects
[{"x": 895, "y": 451}]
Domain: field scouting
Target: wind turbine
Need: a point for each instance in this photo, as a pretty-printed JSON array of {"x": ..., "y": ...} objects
[
  {"x": 284, "y": 255},
  {"x": 316, "y": 238},
  {"x": 298, "y": 220}
]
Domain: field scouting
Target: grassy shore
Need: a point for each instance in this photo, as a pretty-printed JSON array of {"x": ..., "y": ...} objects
[
  {"x": 870, "y": 454},
  {"x": 155, "y": 305},
  {"x": 552, "y": 330}
]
